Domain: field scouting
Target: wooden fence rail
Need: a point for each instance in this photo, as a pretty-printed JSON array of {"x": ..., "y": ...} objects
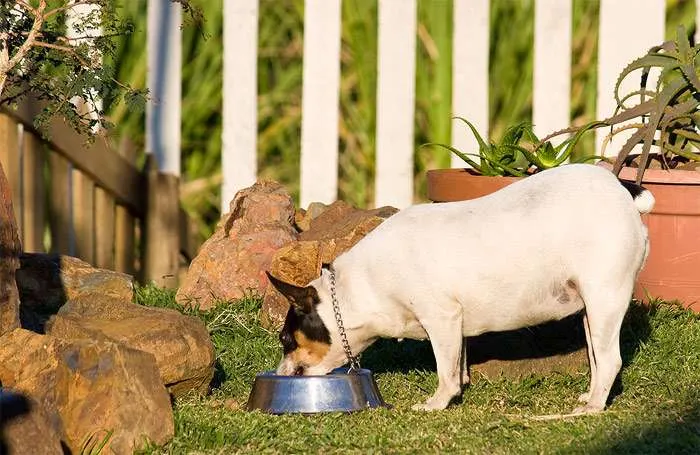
[{"x": 86, "y": 200}]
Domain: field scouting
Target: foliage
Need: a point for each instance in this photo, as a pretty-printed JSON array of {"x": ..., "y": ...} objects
[
  {"x": 41, "y": 58},
  {"x": 654, "y": 408},
  {"x": 519, "y": 152},
  {"x": 666, "y": 115}
]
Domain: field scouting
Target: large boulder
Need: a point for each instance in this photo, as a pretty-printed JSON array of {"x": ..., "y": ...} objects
[
  {"x": 25, "y": 427},
  {"x": 95, "y": 387},
  {"x": 47, "y": 281},
  {"x": 180, "y": 344},
  {"x": 231, "y": 264},
  {"x": 327, "y": 232},
  {"x": 9, "y": 251}
]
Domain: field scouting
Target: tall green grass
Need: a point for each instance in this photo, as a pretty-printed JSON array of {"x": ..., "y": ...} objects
[{"x": 280, "y": 80}]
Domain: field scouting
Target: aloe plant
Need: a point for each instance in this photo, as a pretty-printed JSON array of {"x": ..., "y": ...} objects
[
  {"x": 666, "y": 115},
  {"x": 520, "y": 152}
]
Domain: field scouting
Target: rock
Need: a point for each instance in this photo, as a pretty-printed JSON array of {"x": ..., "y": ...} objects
[
  {"x": 558, "y": 346},
  {"x": 341, "y": 226},
  {"x": 232, "y": 262},
  {"x": 304, "y": 217},
  {"x": 93, "y": 386},
  {"x": 25, "y": 427},
  {"x": 180, "y": 344},
  {"x": 10, "y": 248},
  {"x": 332, "y": 230},
  {"x": 299, "y": 262},
  {"x": 47, "y": 281}
]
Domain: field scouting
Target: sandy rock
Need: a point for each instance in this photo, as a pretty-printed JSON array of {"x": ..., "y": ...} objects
[
  {"x": 180, "y": 344},
  {"x": 232, "y": 262},
  {"x": 332, "y": 230},
  {"x": 25, "y": 427},
  {"x": 47, "y": 281},
  {"x": 10, "y": 248},
  {"x": 303, "y": 218},
  {"x": 93, "y": 386},
  {"x": 299, "y": 262}
]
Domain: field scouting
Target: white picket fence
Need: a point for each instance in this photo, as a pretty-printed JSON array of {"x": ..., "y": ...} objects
[{"x": 627, "y": 29}]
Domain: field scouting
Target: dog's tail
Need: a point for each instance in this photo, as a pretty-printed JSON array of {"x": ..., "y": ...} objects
[{"x": 642, "y": 197}]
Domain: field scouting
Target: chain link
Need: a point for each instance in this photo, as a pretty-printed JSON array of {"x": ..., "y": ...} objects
[{"x": 352, "y": 360}]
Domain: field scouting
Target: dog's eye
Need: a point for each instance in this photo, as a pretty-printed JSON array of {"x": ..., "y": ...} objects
[{"x": 286, "y": 339}]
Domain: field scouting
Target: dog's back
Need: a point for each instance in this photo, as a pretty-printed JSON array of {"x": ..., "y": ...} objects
[{"x": 523, "y": 255}]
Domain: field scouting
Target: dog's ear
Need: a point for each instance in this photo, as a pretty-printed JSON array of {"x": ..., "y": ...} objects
[{"x": 303, "y": 299}]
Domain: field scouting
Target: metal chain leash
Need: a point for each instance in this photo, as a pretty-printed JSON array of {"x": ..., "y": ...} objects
[{"x": 352, "y": 360}]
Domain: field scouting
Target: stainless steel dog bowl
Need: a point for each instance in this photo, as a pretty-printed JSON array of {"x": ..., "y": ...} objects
[{"x": 339, "y": 391}]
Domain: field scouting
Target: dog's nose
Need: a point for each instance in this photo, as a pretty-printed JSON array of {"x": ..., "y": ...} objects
[{"x": 299, "y": 371}]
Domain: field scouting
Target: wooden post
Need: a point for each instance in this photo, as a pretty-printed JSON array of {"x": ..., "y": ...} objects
[
  {"x": 83, "y": 216},
  {"x": 124, "y": 226},
  {"x": 162, "y": 236},
  {"x": 60, "y": 205},
  {"x": 162, "y": 243},
  {"x": 33, "y": 186},
  {"x": 104, "y": 229},
  {"x": 10, "y": 154}
]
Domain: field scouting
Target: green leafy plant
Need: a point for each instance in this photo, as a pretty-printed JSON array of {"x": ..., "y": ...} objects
[
  {"x": 39, "y": 58},
  {"x": 519, "y": 152},
  {"x": 665, "y": 116}
]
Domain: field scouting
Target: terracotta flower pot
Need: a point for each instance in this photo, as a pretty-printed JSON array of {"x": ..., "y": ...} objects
[
  {"x": 672, "y": 270},
  {"x": 446, "y": 185}
]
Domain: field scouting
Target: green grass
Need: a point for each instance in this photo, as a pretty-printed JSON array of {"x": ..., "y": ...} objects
[{"x": 655, "y": 409}]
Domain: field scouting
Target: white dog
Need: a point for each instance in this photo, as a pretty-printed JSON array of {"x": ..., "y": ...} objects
[{"x": 550, "y": 245}]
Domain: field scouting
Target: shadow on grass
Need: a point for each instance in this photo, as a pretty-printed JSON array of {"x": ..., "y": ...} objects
[
  {"x": 550, "y": 339},
  {"x": 679, "y": 435}
]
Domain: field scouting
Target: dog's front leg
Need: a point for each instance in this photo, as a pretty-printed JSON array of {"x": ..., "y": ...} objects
[{"x": 445, "y": 334}]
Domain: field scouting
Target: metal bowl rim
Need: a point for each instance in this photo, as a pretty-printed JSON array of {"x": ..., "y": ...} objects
[{"x": 335, "y": 373}]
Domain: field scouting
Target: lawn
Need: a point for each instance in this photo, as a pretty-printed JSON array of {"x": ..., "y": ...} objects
[{"x": 655, "y": 407}]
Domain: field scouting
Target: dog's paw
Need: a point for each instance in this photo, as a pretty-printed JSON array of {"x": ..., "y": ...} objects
[
  {"x": 584, "y": 397},
  {"x": 429, "y": 405}
]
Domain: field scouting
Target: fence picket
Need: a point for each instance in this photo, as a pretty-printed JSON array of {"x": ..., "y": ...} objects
[
  {"x": 104, "y": 229},
  {"x": 33, "y": 191},
  {"x": 626, "y": 32},
  {"x": 239, "y": 117},
  {"x": 320, "y": 97},
  {"x": 83, "y": 216},
  {"x": 10, "y": 154},
  {"x": 552, "y": 66},
  {"x": 60, "y": 221},
  {"x": 470, "y": 73},
  {"x": 395, "y": 102}
]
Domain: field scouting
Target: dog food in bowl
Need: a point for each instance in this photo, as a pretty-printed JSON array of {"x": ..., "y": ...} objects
[{"x": 339, "y": 391}]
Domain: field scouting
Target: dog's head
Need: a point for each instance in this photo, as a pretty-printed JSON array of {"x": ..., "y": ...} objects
[{"x": 307, "y": 332}]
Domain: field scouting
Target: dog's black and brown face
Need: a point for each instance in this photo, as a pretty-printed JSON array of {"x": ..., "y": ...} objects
[{"x": 305, "y": 338}]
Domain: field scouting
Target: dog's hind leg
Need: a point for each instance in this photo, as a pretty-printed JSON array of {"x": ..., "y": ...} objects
[
  {"x": 464, "y": 364},
  {"x": 445, "y": 332},
  {"x": 591, "y": 360},
  {"x": 605, "y": 308}
]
